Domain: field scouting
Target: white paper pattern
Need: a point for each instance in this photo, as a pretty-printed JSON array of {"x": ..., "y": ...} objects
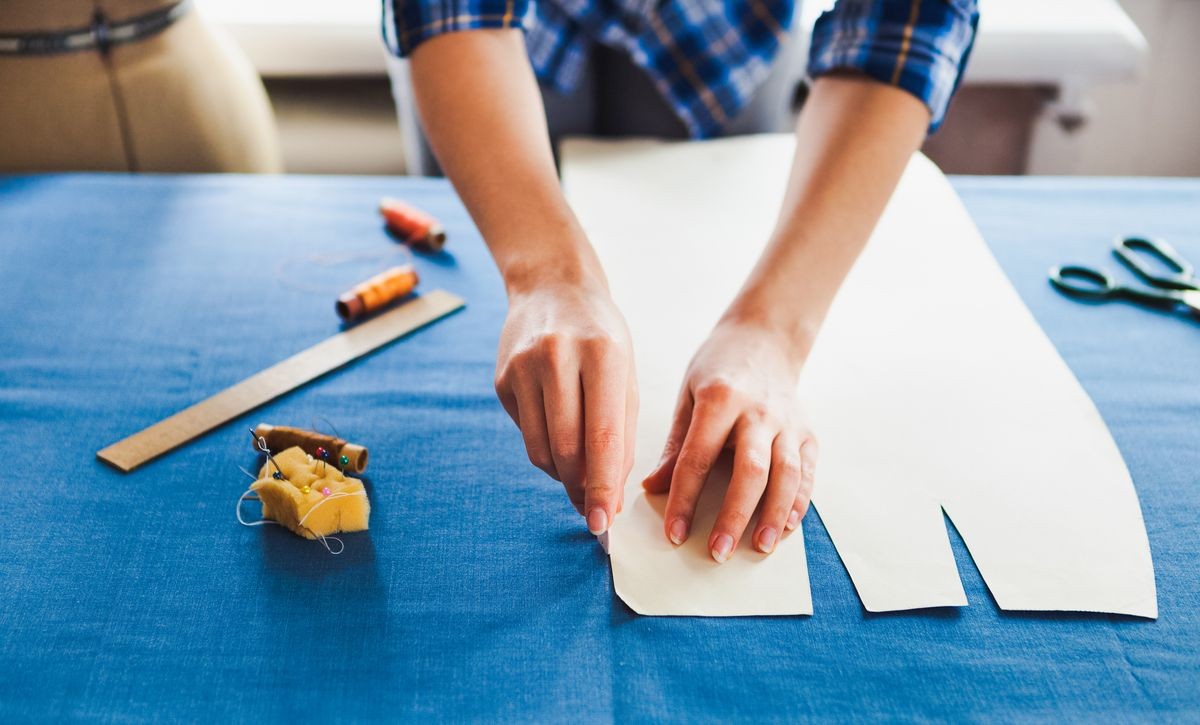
[{"x": 931, "y": 386}]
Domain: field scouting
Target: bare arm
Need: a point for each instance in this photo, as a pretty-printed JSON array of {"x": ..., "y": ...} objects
[
  {"x": 853, "y": 141},
  {"x": 564, "y": 370},
  {"x": 482, "y": 112}
]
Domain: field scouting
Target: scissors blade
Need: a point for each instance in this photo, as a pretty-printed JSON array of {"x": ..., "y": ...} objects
[{"x": 1191, "y": 300}]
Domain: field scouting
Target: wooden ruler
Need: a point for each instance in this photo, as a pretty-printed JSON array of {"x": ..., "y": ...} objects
[{"x": 263, "y": 387}]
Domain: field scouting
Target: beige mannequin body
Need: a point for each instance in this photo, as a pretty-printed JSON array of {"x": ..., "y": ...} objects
[{"x": 183, "y": 99}]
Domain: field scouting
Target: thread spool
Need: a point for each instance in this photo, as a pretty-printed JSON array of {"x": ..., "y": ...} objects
[
  {"x": 380, "y": 290},
  {"x": 413, "y": 226},
  {"x": 280, "y": 438}
]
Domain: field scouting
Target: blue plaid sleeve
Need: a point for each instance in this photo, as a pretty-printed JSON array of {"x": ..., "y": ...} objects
[
  {"x": 408, "y": 23},
  {"x": 920, "y": 46}
]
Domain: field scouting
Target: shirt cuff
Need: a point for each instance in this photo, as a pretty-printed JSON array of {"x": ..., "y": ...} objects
[
  {"x": 408, "y": 23},
  {"x": 920, "y": 46}
]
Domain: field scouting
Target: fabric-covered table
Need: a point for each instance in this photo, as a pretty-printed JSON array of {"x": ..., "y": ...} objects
[{"x": 478, "y": 594}]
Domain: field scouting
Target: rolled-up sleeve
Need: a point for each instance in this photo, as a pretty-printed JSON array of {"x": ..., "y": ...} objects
[
  {"x": 920, "y": 46},
  {"x": 408, "y": 23}
]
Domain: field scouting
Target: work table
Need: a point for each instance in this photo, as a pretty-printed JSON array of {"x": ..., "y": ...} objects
[{"x": 477, "y": 593}]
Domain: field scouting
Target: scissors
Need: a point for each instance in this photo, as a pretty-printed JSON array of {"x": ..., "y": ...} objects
[{"x": 1169, "y": 288}]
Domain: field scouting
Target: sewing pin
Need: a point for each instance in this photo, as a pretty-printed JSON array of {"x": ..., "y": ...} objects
[
  {"x": 324, "y": 456},
  {"x": 261, "y": 442}
]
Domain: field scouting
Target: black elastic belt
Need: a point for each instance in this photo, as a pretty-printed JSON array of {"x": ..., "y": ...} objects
[{"x": 100, "y": 35}]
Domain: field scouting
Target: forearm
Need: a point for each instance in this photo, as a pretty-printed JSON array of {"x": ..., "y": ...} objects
[
  {"x": 482, "y": 112},
  {"x": 853, "y": 141}
]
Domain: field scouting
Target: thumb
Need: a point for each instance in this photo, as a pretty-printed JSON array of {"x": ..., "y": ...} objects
[{"x": 659, "y": 480}]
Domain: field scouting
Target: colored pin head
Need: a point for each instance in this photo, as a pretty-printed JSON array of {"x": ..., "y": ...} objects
[{"x": 345, "y": 461}]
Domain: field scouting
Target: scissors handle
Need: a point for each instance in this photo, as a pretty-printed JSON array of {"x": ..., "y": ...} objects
[
  {"x": 1083, "y": 282},
  {"x": 1148, "y": 257},
  {"x": 1091, "y": 284}
]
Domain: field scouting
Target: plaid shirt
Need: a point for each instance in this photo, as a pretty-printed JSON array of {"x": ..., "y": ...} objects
[{"x": 707, "y": 57}]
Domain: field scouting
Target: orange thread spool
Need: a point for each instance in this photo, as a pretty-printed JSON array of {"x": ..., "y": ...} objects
[
  {"x": 376, "y": 292},
  {"x": 413, "y": 226}
]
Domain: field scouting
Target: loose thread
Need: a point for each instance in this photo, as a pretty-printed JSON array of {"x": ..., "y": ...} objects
[
  {"x": 244, "y": 522},
  {"x": 332, "y": 427},
  {"x": 339, "y": 494},
  {"x": 300, "y": 524},
  {"x": 337, "y": 436},
  {"x": 325, "y": 542}
]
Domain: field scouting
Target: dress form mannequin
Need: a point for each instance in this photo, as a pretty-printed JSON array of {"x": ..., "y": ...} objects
[{"x": 180, "y": 100}]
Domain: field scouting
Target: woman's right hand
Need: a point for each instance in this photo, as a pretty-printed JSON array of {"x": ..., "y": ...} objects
[
  {"x": 564, "y": 371},
  {"x": 565, "y": 374}
]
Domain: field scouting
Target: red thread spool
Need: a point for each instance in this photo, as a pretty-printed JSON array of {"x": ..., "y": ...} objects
[
  {"x": 376, "y": 292},
  {"x": 413, "y": 226}
]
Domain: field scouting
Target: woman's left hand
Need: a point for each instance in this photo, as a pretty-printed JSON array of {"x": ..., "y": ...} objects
[{"x": 739, "y": 393}]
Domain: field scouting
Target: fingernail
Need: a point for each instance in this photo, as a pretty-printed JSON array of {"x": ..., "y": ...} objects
[
  {"x": 597, "y": 521},
  {"x": 721, "y": 548},
  {"x": 766, "y": 540},
  {"x": 679, "y": 531},
  {"x": 793, "y": 520}
]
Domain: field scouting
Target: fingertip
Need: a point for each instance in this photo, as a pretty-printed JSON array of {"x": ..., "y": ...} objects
[
  {"x": 766, "y": 539},
  {"x": 793, "y": 520},
  {"x": 677, "y": 530},
  {"x": 597, "y": 521},
  {"x": 721, "y": 547},
  {"x": 601, "y": 495}
]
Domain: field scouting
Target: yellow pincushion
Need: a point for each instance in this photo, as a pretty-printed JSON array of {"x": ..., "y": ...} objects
[{"x": 314, "y": 499}]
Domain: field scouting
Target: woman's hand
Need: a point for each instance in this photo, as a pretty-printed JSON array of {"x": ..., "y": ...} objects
[
  {"x": 565, "y": 374},
  {"x": 739, "y": 393},
  {"x": 565, "y": 367}
]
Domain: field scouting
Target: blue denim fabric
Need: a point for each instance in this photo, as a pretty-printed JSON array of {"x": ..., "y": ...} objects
[{"x": 477, "y": 594}]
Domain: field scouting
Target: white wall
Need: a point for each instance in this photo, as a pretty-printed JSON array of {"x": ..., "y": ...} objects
[{"x": 1150, "y": 127}]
